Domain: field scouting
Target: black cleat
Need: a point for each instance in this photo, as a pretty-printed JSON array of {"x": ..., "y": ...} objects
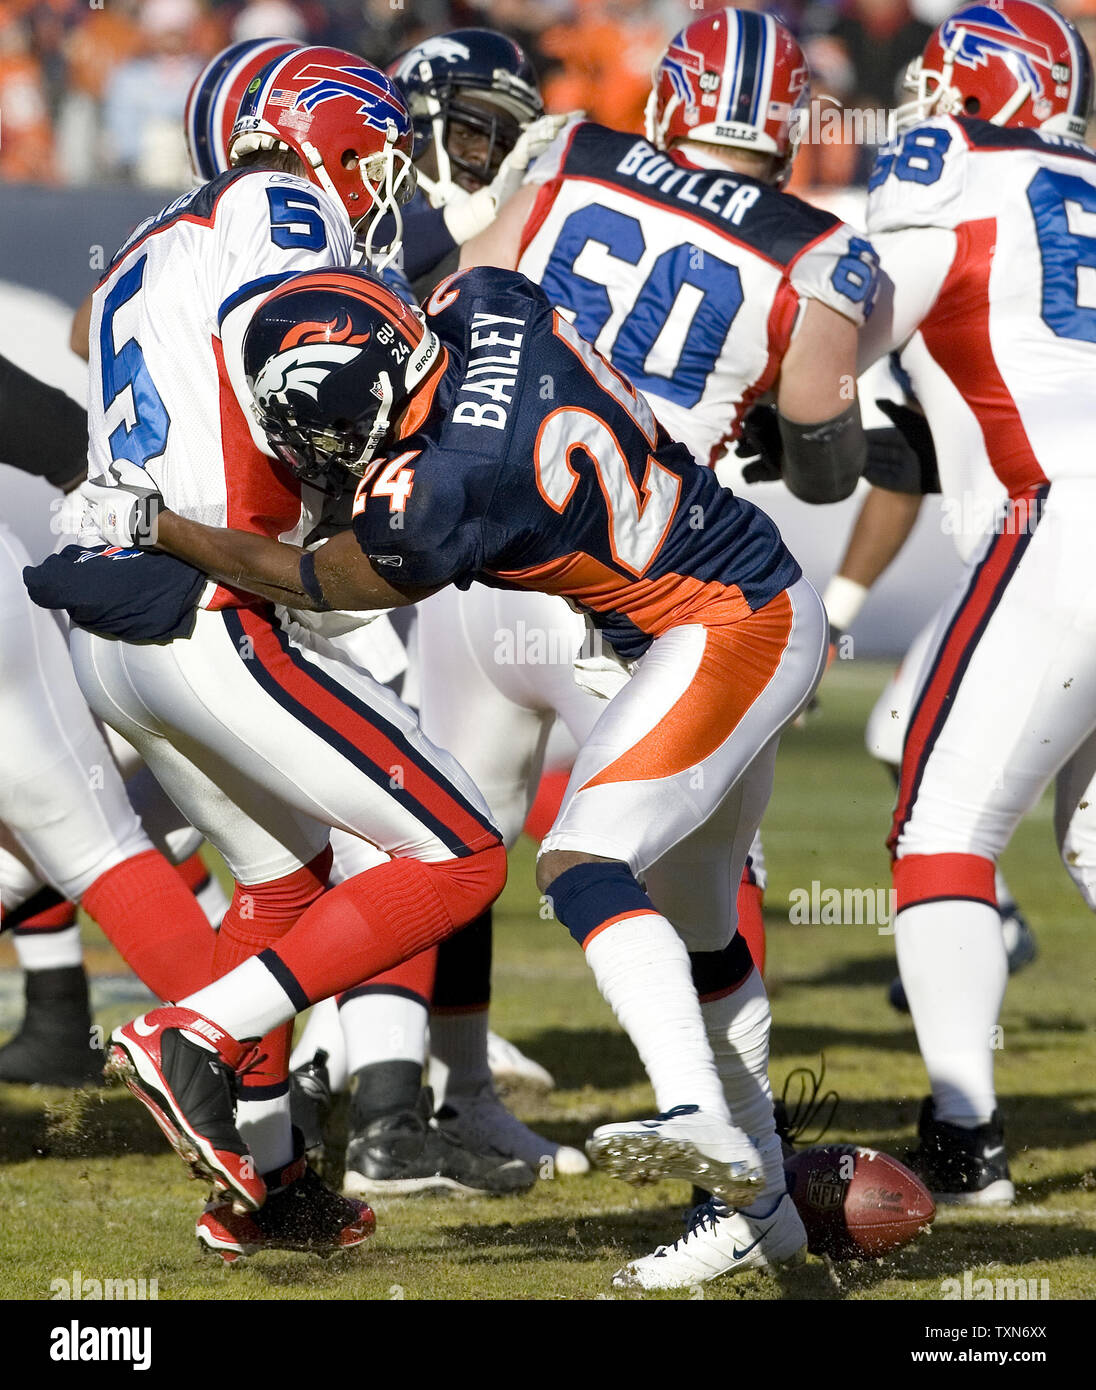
[
  {"x": 965, "y": 1167},
  {"x": 310, "y": 1102},
  {"x": 55, "y": 1045},
  {"x": 403, "y": 1154}
]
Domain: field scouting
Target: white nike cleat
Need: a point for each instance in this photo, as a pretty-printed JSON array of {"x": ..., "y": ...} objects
[
  {"x": 685, "y": 1143},
  {"x": 509, "y": 1066},
  {"x": 719, "y": 1241},
  {"x": 481, "y": 1122}
]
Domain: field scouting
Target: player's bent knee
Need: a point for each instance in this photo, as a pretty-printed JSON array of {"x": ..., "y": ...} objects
[
  {"x": 469, "y": 885},
  {"x": 593, "y": 893}
]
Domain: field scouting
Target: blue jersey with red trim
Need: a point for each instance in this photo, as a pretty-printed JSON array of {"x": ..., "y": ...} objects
[
  {"x": 688, "y": 279},
  {"x": 538, "y": 466}
]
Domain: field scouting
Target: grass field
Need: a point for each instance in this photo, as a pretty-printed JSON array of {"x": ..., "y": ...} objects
[{"x": 89, "y": 1184}]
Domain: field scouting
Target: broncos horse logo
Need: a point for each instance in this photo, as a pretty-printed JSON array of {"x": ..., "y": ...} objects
[
  {"x": 983, "y": 33},
  {"x": 377, "y": 100},
  {"x": 301, "y": 368}
]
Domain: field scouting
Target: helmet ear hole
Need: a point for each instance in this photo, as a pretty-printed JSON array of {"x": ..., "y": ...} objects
[
  {"x": 349, "y": 159},
  {"x": 972, "y": 106}
]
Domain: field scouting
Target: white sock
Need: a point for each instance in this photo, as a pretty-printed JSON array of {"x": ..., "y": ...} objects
[
  {"x": 738, "y": 1031},
  {"x": 49, "y": 950},
  {"x": 383, "y": 1026},
  {"x": 265, "y": 1128},
  {"x": 642, "y": 970},
  {"x": 247, "y": 1002},
  {"x": 954, "y": 970},
  {"x": 458, "y": 1042},
  {"x": 213, "y": 901},
  {"x": 323, "y": 1033}
]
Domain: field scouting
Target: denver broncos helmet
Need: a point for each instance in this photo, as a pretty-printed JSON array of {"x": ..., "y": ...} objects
[
  {"x": 1010, "y": 62},
  {"x": 348, "y": 124},
  {"x": 331, "y": 359},
  {"x": 734, "y": 78},
  {"x": 215, "y": 97},
  {"x": 437, "y": 77}
]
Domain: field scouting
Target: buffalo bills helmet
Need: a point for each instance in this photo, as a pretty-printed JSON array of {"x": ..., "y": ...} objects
[
  {"x": 347, "y": 123},
  {"x": 1011, "y": 62},
  {"x": 736, "y": 78}
]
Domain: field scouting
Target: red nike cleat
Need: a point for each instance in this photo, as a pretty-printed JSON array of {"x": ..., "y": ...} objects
[
  {"x": 300, "y": 1213},
  {"x": 183, "y": 1068}
]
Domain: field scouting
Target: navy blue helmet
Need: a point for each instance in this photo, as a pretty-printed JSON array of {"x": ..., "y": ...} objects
[{"x": 438, "y": 76}]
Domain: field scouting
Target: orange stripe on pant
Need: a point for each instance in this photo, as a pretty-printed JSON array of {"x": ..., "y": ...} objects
[{"x": 737, "y": 664}]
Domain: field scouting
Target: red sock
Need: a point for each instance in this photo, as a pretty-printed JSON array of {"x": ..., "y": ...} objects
[
  {"x": 154, "y": 923},
  {"x": 193, "y": 872},
  {"x": 258, "y": 917},
  {"x": 414, "y": 976},
  {"x": 386, "y": 915},
  {"x": 751, "y": 918}
]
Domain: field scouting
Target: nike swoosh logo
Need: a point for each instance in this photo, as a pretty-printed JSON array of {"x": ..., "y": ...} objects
[
  {"x": 992, "y": 1153},
  {"x": 738, "y": 1254},
  {"x": 143, "y": 1029}
]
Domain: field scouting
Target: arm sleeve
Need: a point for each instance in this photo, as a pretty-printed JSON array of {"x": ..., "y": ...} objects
[{"x": 44, "y": 432}]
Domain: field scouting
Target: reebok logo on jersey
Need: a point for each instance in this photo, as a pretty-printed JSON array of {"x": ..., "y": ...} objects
[{"x": 492, "y": 371}]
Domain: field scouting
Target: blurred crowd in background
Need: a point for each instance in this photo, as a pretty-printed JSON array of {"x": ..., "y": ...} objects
[{"x": 93, "y": 90}]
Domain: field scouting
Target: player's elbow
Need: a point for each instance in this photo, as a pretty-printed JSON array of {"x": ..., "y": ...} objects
[{"x": 824, "y": 459}]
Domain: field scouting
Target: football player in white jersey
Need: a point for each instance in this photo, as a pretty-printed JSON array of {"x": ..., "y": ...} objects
[
  {"x": 264, "y": 735},
  {"x": 981, "y": 214}
]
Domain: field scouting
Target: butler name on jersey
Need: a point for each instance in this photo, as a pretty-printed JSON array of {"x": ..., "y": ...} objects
[
  {"x": 689, "y": 278},
  {"x": 538, "y": 466}
]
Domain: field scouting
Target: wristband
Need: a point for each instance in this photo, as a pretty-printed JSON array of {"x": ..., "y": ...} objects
[
  {"x": 843, "y": 600},
  {"x": 310, "y": 584}
]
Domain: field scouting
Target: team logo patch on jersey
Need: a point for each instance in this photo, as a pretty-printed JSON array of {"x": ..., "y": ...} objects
[
  {"x": 302, "y": 369},
  {"x": 988, "y": 34},
  {"x": 376, "y": 104}
]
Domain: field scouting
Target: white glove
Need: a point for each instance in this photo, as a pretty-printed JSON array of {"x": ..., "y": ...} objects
[
  {"x": 124, "y": 514},
  {"x": 467, "y": 217}
]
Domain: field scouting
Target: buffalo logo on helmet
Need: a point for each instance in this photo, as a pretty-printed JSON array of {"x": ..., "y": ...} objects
[
  {"x": 375, "y": 97},
  {"x": 684, "y": 67},
  {"x": 981, "y": 33}
]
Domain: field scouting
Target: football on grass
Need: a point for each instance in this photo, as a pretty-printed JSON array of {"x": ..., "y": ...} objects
[{"x": 856, "y": 1202}]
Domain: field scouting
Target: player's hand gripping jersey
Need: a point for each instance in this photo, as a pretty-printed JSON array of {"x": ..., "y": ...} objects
[
  {"x": 166, "y": 326},
  {"x": 590, "y": 500},
  {"x": 688, "y": 279},
  {"x": 997, "y": 300}
]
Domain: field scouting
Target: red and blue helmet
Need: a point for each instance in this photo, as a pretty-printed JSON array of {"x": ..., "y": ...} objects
[
  {"x": 215, "y": 97},
  {"x": 735, "y": 77},
  {"x": 1010, "y": 62},
  {"x": 344, "y": 119}
]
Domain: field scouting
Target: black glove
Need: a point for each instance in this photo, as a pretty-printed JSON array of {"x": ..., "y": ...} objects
[
  {"x": 914, "y": 429},
  {"x": 760, "y": 443}
]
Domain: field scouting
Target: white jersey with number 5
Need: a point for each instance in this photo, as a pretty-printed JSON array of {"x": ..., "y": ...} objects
[
  {"x": 689, "y": 279},
  {"x": 167, "y": 390},
  {"x": 987, "y": 238}
]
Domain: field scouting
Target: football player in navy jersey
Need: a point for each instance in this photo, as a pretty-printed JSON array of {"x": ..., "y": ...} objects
[{"x": 468, "y": 468}]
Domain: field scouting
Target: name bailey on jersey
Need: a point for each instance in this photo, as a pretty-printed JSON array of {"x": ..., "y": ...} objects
[{"x": 491, "y": 373}]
